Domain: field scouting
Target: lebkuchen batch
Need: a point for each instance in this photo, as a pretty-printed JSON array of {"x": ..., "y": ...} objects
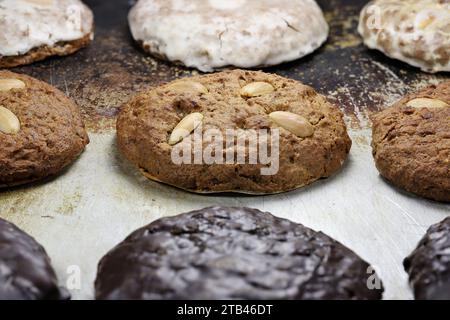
[{"x": 226, "y": 252}]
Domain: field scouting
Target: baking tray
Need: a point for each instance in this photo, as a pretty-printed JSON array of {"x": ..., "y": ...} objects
[{"x": 98, "y": 201}]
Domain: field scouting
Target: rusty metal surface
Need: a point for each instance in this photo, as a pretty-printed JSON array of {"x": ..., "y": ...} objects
[{"x": 81, "y": 214}]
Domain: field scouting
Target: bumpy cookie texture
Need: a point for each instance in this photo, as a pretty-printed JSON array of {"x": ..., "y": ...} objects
[
  {"x": 231, "y": 253},
  {"x": 51, "y": 134},
  {"x": 146, "y": 124},
  {"x": 411, "y": 142},
  {"x": 25, "y": 270},
  {"x": 413, "y": 31},
  {"x": 33, "y": 30},
  {"x": 211, "y": 34},
  {"x": 429, "y": 265}
]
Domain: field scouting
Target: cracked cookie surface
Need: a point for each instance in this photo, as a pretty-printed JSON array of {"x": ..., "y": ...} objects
[
  {"x": 429, "y": 265},
  {"x": 26, "y": 272},
  {"x": 211, "y": 34},
  {"x": 411, "y": 142},
  {"x": 231, "y": 253},
  {"x": 51, "y": 134},
  {"x": 146, "y": 125}
]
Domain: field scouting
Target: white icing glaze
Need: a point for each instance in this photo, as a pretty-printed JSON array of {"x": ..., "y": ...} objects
[
  {"x": 28, "y": 24},
  {"x": 210, "y": 34},
  {"x": 414, "y": 31}
]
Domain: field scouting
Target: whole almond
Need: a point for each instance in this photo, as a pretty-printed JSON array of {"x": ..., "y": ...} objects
[
  {"x": 9, "y": 84},
  {"x": 188, "y": 86},
  {"x": 9, "y": 123},
  {"x": 185, "y": 127},
  {"x": 294, "y": 123},
  {"x": 256, "y": 89},
  {"x": 427, "y": 103}
]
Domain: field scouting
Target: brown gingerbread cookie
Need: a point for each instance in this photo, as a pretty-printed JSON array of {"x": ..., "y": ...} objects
[
  {"x": 411, "y": 142},
  {"x": 205, "y": 120},
  {"x": 41, "y": 130}
]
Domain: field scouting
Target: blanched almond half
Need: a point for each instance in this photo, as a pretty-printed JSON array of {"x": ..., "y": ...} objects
[
  {"x": 256, "y": 89},
  {"x": 9, "y": 84},
  {"x": 185, "y": 127},
  {"x": 188, "y": 86},
  {"x": 427, "y": 103},
  {"x": 9, "y": 123},
  {"x": 294, "y": 123}
]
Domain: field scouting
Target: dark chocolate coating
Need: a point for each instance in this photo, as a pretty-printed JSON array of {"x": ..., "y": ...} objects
[
  {"x": 25, "y": 270},
  {"x": 231, "y": 253},
  {"x": 429, "y": 265}
]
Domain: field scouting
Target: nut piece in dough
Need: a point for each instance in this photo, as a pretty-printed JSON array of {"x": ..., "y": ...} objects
[
  {"x": 185, "y": 127},
  {"x": 294, "y": 123},
  {"x": 256, "y": 89},
  {"x": 188, "y": 86},
  {"x": 9, "y": 84},
  {"x": 427, "y": 103},
  {"x": 9, "y": 123}
]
